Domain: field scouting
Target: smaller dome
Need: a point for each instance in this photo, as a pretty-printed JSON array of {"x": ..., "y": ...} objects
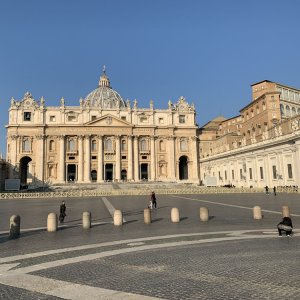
[{"x": 104, "y": 96}]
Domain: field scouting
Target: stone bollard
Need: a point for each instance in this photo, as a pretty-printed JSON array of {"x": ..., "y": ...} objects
[
  {"x": 204, "y": 216},
  {"x": 52, "y": 222},
  {"x": 257, "y": 213},
  {"x": 118, "y": 218},
  {"x": 175, "y": 215},
  {"x": 14, "y": 226},
  {"x": 285, "y": 211},
  {"x": 86, "y": 220},
  {"x": 147, "y": 216}
]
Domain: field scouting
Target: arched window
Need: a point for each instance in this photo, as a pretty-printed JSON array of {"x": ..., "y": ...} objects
[
  {"x": 183, "y": 145},
  {"x": 288, "y": 111},
  {"x": 71, "y": 145},
  {"x": 94, "y": 146},
  {"x": 123, "y": 145},
  {"x": 51, "y": 145},
  {"x": 293, "y": 111},
  {"x": 257, "y": 109},
  {"x": 264, "y": 105},
  {"x": 26, "y": 145},
  {"x": 108, "y": 145},
  {"x": 144, "y": 145},
  {"x": 162, "y": 146},
  {"x": 282, "y": 109}
]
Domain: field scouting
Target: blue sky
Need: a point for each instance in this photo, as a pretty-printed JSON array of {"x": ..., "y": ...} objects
[{"x": 210, "y": 51}]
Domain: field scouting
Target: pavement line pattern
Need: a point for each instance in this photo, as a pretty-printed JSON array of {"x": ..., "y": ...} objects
[
  {"x": 231, "y": 205},
  {"x": 120, "y": 242},
  {"x": 20, "y": 278},
  {"x": 110, "y": 208}
]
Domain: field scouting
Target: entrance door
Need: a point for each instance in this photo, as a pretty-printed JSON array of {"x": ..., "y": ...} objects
[
  {"x": 94, "y": 175},
  {"x": 71, "y": 172},
  {"x": 183, "y": 168},
  {"x": 144, "y": 171},
  {"x": 124, "y": 175},
  {"x": 24, "y": 161},
  {"x": 109, "y": 170}
]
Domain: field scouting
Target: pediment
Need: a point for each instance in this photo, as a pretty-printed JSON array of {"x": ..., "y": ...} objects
[{"x": 108, "y": 120}]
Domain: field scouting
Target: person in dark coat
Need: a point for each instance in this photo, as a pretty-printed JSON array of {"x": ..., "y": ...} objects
[
  {"x": 285, "y": 225},
  {"x": 62, "y": 211},
  {"x": 274, "y": 190},
  {"x": 267, "y": 190},
  {"x": 153, "y": 200}
]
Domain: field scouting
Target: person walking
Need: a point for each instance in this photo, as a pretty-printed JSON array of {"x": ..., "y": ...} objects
[
  {"x": 153, "y": 200},
  {"x": 274, "y": 190},
  {"x": 62, "y": 211},
  {"x": 267, "y": 190},
  {"x": 285, "y": 225}
]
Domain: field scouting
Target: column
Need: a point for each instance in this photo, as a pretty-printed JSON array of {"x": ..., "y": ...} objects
[
  {"x": 61, "y": 162},
  {"x": 153, "y": 161},
  {"x": 87, "y": 160},
  {"x": 129, "y": 159},
  {"x": 40, "y": 161},
  {"x": 295, "y": 164},
  {"x": 136, "y": 158},
  {"x": 172, "y": 175},
  {"x": 80, "y": 158},
  {"x": 118, "y": 158},
  {"x": 100, "y": 159},
  {"x": 195, "y": 161}
]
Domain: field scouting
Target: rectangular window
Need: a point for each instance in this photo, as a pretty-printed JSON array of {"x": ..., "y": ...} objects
[
  {"x": 123, "y": 157},
  {"x": 161, "y": 121},
  {"x": 250, "y": 173},
  {"x": 241, "y": 173},
  {"x": 232, "y": 173},
  {"x": 123, "y": 118},
  {"x": 144, "y": 157},
  {"x": 225, "y": 175},
  {"x": 219, "y": 175},
  {"x": 274, "y": 172},
  {"x": 290, "y": 171},
  {"x": 94, "y": 118},
  {"x": 261, "y": 172},
  {"x": 27, "y": 116},
  {"x": 94, "y": 157},
  {"x": 181, "y": 119},
  {"x": 52, "y": 119}
]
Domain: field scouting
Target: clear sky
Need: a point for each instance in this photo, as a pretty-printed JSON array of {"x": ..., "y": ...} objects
[{"x": 209, "y": 51}]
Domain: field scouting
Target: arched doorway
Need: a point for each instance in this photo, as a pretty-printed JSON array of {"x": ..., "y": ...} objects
[
  {"x": 94, "y": 175},
  {"x": 109, "y": 170},
  {"x": 183, "y": 168},
  {"x": 123, "y": 175},
  {"x": 24, "y": 161}
]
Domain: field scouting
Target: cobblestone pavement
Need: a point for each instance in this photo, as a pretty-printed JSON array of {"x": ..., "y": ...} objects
[{"x": 231, "y": 256}]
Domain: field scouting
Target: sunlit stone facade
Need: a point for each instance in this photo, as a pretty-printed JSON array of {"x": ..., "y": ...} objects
[
  {"x": 104, "y": 138},
  {"x": 261, "y": 146}
]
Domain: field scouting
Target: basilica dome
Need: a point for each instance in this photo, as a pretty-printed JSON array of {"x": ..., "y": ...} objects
[{"x": 104, "y": 96}]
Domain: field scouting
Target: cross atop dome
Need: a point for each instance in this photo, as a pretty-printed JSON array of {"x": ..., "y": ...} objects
[{"x": 104, "y": 81}]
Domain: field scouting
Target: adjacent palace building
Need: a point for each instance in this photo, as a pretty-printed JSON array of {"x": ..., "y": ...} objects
[{"x": 105, "y": 138}]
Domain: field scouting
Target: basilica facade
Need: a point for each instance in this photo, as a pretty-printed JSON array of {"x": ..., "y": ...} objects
[{"x": 104, "y": 138}]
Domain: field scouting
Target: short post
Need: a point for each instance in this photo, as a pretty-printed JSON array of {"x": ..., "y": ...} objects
[
  {"x": 147, "y": 216},
  {"x": 285, "y": 211},
  {"x": 204, "y": 216},
  {"x": 257, "y": 213},
  {"x": 175, "y": 215},
  {"x": 86, "y": 220},
  {"x": 118, "y": 218},
  {"x": 52, "y": 222},
  {"x": 14, "y": 226}
]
